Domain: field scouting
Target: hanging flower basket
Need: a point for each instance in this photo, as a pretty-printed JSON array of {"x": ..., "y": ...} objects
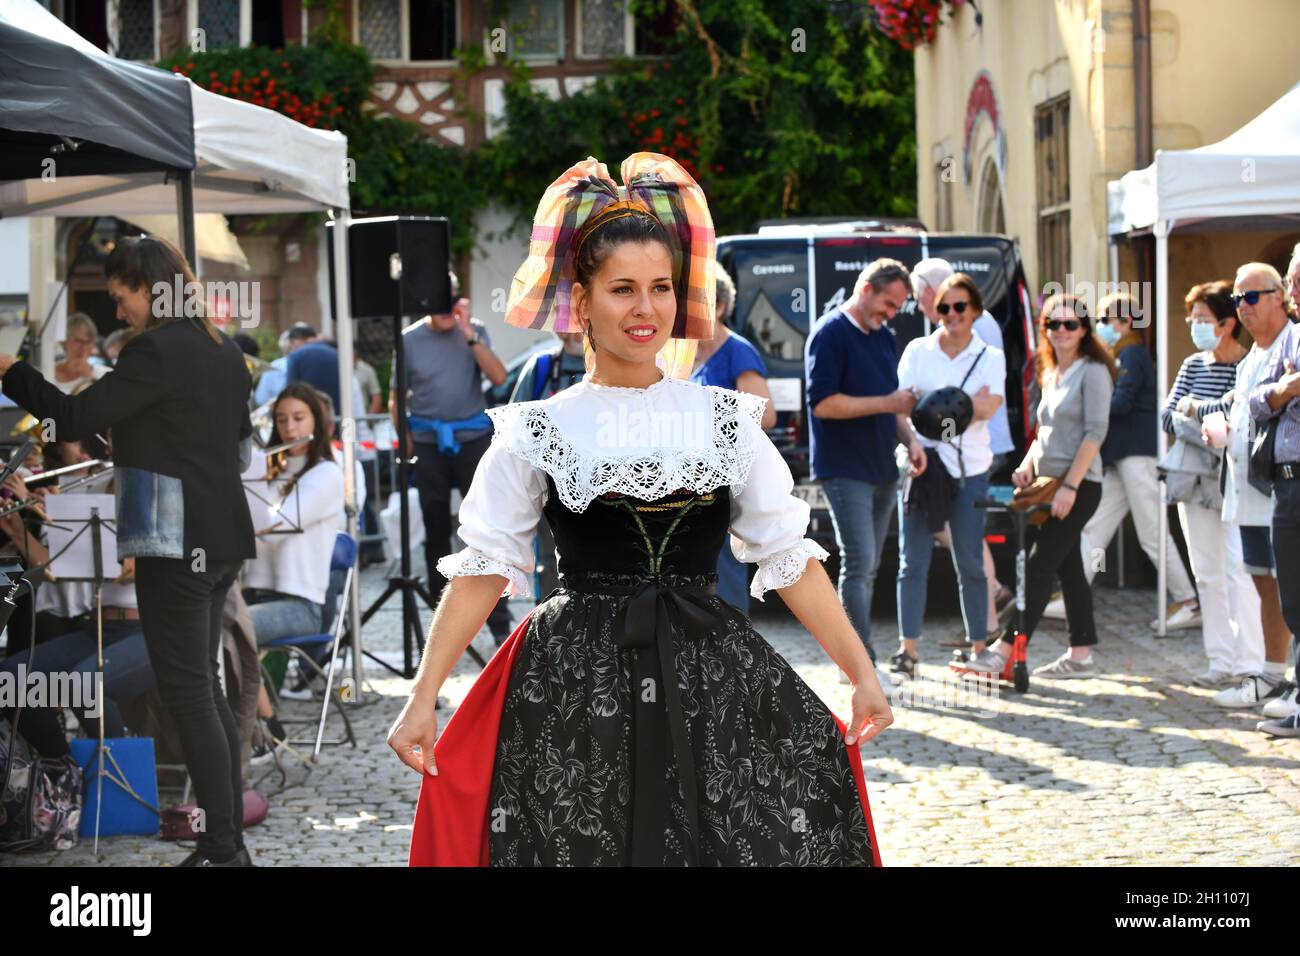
[{"x": 911, "y": 23}]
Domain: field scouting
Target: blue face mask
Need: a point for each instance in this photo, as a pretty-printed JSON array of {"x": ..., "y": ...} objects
[
  {"x": 1107, "y": 333},
  {"x": 1205, "y": 335}
]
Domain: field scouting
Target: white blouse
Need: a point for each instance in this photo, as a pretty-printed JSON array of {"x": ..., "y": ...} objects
[{"x": 644, "y": 442}]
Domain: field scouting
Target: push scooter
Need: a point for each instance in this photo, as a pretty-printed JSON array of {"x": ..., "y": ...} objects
[{"x": 1016, "y": 670}]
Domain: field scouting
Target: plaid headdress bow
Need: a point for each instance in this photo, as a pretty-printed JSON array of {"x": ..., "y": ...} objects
[{"x": 584, "y": 197}]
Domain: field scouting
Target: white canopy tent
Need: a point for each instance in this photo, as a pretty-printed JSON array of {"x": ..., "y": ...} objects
[
  {"x": 1248, "y": 178},
  {"x": 234, "y": 158}
]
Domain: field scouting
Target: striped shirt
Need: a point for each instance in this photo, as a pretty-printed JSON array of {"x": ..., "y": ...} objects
[{"x": 1205, "y": 380}]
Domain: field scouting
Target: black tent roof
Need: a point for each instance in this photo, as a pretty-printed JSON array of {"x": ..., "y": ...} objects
[{"x": 93, "y": 115}]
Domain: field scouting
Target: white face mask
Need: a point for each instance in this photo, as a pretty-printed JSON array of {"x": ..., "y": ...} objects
[{"x": 1205, "y": 335}]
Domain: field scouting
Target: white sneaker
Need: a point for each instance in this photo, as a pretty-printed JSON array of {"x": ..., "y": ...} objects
[
  {"x": 1180, "y": 617},
  {"x": 1252, "y": 691},
  {"x": 1066, "y": 667},
  {"x": 987, "y": 661},
  {"x": 1055, "y": 609},
  {"x": 1212, "y": 677},
  {"x": 1283, "y": 705}
]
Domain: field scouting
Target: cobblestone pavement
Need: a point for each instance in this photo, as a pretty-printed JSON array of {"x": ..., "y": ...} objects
[{"x": 1132, "y": 767}]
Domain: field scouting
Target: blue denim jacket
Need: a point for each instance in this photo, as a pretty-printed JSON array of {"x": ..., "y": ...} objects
[{"x": 150, "y": 514}]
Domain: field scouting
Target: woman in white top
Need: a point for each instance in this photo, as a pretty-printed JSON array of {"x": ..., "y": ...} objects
[
  {"x": 76, "y": 369},
  {"x": 951, "y": 355},
  {"x": 285, "y": 584},
  {"x": 635, "y": 717}
]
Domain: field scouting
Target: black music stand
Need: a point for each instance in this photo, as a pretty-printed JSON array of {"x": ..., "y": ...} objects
[{"x": 95, "y": 524}]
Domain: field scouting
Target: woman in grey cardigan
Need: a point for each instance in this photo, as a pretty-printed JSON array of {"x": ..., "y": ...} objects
[{"x": 1076, "y": 377}]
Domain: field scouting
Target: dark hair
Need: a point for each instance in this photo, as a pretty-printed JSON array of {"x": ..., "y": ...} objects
[
  {"x": 147, "y": 261},
  {"x": 884, "y": 272},
  {"x": 960, "y": 280},
  {"x": 320, "y": 448},
  {"x": 1045, "y": 359},
  {"x": 247, "y": 344},
  {"x": 594, "y": 247},
  {"x": 301, "y": 332},
  {"x": 1217, "y": 297}
]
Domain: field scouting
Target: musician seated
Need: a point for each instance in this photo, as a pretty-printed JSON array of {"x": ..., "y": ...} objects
[
  {"x": 285, "y": 585},
  {"x": 127, "y": 671}
]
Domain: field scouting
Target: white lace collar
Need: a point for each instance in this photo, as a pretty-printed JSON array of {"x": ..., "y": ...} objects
[{"x": 582, "y": 470}]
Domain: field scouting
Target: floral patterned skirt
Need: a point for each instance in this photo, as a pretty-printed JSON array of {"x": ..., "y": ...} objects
[{"x": 775, "y": 782}]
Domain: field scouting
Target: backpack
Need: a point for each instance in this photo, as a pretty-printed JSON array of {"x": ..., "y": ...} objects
[
  {"x": 40, "y": 797},
  {"x": 542, "y": 371}
]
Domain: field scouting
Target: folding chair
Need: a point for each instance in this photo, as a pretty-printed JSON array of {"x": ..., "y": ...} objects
[{"x": 343, "y": 560}]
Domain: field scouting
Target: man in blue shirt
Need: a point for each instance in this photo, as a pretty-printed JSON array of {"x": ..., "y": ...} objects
[
  {"x": 858, "y": 415},
  {"x": 275, "y": 378}
]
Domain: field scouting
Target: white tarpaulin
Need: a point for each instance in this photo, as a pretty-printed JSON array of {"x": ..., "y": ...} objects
[{"x": 1254, "y": 172}]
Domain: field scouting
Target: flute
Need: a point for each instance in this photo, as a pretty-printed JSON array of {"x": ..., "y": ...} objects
[{"x": 34, "y": 501}]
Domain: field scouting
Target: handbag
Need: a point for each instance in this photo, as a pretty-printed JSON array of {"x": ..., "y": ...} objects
[
  {"x": 40, "y": 797},
  {"x": 1259, "y": 466},
  {"x": 1040, "y": 491}
]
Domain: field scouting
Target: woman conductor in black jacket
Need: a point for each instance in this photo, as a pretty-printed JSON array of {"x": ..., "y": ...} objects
[{"x": 177, "y": 404}]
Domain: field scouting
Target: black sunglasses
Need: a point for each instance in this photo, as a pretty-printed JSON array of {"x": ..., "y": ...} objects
[
  {"x": 1070, "y": 325},
  {"x": 958, "y": 307},
  {"x": 1250, "y": 298}
]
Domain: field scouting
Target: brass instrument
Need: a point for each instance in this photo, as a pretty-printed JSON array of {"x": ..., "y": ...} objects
[{"x": 277, "y": 456}]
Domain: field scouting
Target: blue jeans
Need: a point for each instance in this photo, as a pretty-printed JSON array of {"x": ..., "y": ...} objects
[
  {"x": 733, "y": 579},
  {"x": 127, "y": 674},
  {"x": 283, "y": 616},
  {"x": 966, "y": 532},
  {"x": 860, "y": 512}
]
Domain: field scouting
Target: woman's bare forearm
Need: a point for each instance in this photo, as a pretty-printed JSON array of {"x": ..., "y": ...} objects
[
  {"x": 816, "y": 604},
  {"x": 466, "y": 602},
  {"x": 1082, "y": 462}
]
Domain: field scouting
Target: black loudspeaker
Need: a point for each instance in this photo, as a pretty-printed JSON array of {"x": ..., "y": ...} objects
[{"x": 424, "y": 244}]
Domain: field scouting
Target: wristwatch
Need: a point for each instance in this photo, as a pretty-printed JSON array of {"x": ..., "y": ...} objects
[{"x": 476, "y": 340}]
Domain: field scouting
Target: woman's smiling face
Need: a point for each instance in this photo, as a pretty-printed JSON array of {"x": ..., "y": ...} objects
[{"x": 630, "y": 304}]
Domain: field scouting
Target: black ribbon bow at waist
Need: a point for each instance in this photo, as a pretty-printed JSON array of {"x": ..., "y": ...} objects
[{"x": 645, "y": 625}]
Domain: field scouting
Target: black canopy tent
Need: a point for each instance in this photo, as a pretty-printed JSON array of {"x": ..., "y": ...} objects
[{"x": 67, "y": 113}]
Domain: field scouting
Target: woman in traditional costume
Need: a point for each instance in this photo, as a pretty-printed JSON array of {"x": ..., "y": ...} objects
[{"x": 635, "y": 718}]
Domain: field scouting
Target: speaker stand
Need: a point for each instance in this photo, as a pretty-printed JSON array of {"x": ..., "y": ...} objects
[{"x": 405, "y": 583}]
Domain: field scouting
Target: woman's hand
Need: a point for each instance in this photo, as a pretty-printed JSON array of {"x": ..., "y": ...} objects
[
  {"x": 17, "y": 487},
  {"x": 871, "y": 711},
  {"x": 1062, "y": 502},
  {"x": 128, "y": 571},
  {"x": 6, "y": 362},
  {"x": 917, "y": 457},
  {"x": 414, "y": 732},
  {"x": 1022, "y": 477}
]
